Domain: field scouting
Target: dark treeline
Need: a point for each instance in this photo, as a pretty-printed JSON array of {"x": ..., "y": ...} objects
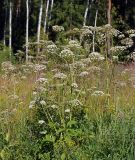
[{"x": 68, "y": 13}]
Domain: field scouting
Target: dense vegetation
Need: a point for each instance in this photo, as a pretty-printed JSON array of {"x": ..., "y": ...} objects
[
  {"x": 67, "y": 80},
  {"x": 67, "y": 13}
]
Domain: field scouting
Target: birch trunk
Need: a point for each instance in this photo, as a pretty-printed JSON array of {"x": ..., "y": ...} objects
[
  {"x": 39, "y": 24},
  {"x": 52, "y": 3},
  {"x": 27, "y": 29},
  {"x": 95, "y": 25},
  {"x": 5, "y": 25},
  {"x": 10, "y": 28},
  {"x": 46, "y": 15},
  {"x": 86, "y": 13},
  {"x": 109, "y": 22}
]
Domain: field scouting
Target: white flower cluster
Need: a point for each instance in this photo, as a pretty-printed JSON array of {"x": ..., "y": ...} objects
[
  {"x": 76, "y": 30},
  {"x": 79, "y": 64},
  {"x": 27, "y": 68},
  {"x": 127, "y": 41},
  {"x": 54, "y": 106},
  {"x": 75, "y": 103},
  {"x": 42, "y": 80},
  {"x": 8, "y": 67},
  {"x": 66, "y": 53},
  {"x": 60, "y": 76},
  {"x": 97, "y": 93},
  {"x": 115, "y": 32},
  {"x": 131, "y": 31},
  {"x": 94, "y": 69},
  {"x": 57, "y": 28},
  {"x": 121, "y": 36},
  {"x": 101, "y": 38},
  {"x": 74, "y": 85},
  {"x": 41, "y": 121},
  {"x": 52, "y": 48},
  {"x": 110, "y": 30},
  {"x": 96, "y": 56},
  {"x": 86, "y": 61},
  {"x": 67, "y": 110},
  {"x": 32, "y": 104},
  {"x": 107, "y": 27},
  {"x": 39, "y": 67},
  {"x": 74, "y": 44},
  {"x": 86, "y": 33},
  {"x": 84, "y": 74},
  {"x": 117, "y": 49},
  {"x": 43, "y": 103}
]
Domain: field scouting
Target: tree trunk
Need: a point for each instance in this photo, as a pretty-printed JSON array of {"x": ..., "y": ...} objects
[
  {"x": 109, "y": 11},
  {"x": 109, "y": 22},
  {"x": 95, "y": 25},
  {"x": 39, "y": 24},
  {"x": 10, "y": 27},
  {"x": 52, "y": 3},
  {"x": 46, "y": 16},
  {"x": 27, "y": 29},
  {"x": 5, "y": 25},
  {"x": 86, "y": 13}
]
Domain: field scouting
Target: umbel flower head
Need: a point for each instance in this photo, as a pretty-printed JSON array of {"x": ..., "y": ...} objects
[
  {"x": 8, "y": 66},
  {"x": 66, "y": 53},
  {"x": 96, "y": 56},
  {"x": 60, "y": 76},
  {"x": 57, "y": 28},
  {"x": 52, "y": 48},
  {"x": 117, "y": 49}
]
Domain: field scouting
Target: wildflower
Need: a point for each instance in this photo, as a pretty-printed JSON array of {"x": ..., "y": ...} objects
[
  {"x": 32, "y": 103},
  {"x": 41, "y": 89},
  {"x": 132, "y": 35},
  {"x": 55, "y": 70},
  {"x": 86, "y": 61},
  {"x": 96, "y": 56},
  {"x": 107, "y": 27},
  {"x": 43, "y": 102},
  {"x": 74, "y": 85},
  {"x": 41, "y": 121},
  {"x": 43, "y": 132},
  {"x": 39, "y": 67},
  {"x": 23, "y": 77},
  {"x": 60, "y": 76},
  {"x": 131, "y": 31},
  {"x": 127, "y": 41},
  {"x": 54, "y": 106},
  {"x": 94, "y": 69},
  {"x": 52, "y": 48},
  {"x": 14, "y": 97},
  {"x": 67, "y": 111},
  {"x": 34, "y": 93},
  {"x": 57, "y": 28},
  {"x": 79, "y": 64},
  {"x": 74, "y": 45},
  {"x": 66, "y": 53},
  {"x": 84, "y": 74},
  {"x": 86, "y": 33},
  {"x": 8, "y": 66},
  {"x": 121, "y": 36},
  {"x": 97, "y": 93},
  {"x": 118, "y": 49},
  {"x": 42, "y": 80},
  {"x": 75, "y": 103}
]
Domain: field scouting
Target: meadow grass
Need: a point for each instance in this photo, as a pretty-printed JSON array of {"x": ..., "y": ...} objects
[{"x": 82, "y": 111}]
